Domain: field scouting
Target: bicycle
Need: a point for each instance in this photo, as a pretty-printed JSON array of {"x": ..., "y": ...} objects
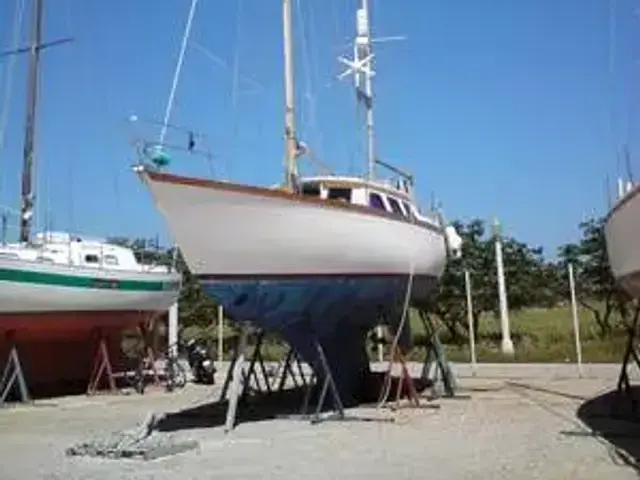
[
  {"x": 135, "y": 378},
  {"x": 175, "y": 373}
]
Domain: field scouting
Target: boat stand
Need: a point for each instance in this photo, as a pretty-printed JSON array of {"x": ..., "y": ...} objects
[
  {"x": 631, "y": 353},
  {"x": 405, "y": 379},
  {"x": 13, "y": 375},
  {"x": 337, "y": 411},
  {"x": 101, "y": 365},
  {"x": 234, "y": 379},
  {"x": 436, "y": 368},
  {"x": 286, "y": 371},
  {"x": 328, "y": 386},
  {"x": 239, "y": 381},
  {"x": 148, "y": 360},
  {"x": 251, "y": 373}
]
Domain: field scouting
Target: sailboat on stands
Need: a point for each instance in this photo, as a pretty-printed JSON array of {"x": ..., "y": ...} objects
[
  {"x": 622, "y": 230},
  {"x": 57, "y": 287},
  {"x": 318, "y": 259}
]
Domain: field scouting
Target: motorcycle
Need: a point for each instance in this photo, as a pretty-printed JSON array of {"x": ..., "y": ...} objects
[{"x": 200, "y": 362}]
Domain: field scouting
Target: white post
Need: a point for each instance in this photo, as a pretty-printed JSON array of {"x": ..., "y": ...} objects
[
  {"x": 507, "y": 343},
  {"x": 620, "y": 188},
  {"x": 220, "y": 333},
  {"x": 379, "y": 333},
  {"x": 237, "y": 381},
  {"x": 576, "y": 321},
  {"x": 472, "y": 334},
  {"x": 172, "y": 334}
]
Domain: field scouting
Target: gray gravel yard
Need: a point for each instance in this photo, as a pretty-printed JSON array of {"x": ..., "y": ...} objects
[{"x": 514, "y": 425}]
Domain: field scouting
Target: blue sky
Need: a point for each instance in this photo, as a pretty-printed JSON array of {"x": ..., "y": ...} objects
[{"x": 500, "y": 110}]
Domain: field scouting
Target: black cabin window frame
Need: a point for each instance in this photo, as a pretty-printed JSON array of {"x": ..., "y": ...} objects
[
  {"x": 395, "y": 206},
  {"x": 340, "y": 193}
]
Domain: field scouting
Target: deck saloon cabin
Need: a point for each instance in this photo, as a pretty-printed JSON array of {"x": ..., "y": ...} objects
[{"x": 364, "y": 193}]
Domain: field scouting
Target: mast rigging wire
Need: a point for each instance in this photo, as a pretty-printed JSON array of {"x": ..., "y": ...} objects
[
  {"x": 8, "y": 86},
  {"x": 178, "y": 70}
]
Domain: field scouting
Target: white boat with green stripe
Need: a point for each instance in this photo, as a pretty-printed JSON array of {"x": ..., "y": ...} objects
[{"x": 79, "y": 281}]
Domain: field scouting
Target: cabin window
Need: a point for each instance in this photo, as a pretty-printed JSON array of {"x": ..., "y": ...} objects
[
  {"x": 375, "y": 201},
  {"x": 311, "y": 189},
  {"x": 91, "y": 258},
  {"x": 110, "y": 260},
  {"x": 9, "y": 255},
  {"x": 340, "y": 194},
  {"x": 395, "y": 206}
]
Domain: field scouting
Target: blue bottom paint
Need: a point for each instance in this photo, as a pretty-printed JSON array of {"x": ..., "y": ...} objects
[{"x": 338, "y": 312}]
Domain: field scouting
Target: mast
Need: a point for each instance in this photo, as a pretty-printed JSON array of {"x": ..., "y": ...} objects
[
  {"x": 361, "y": 68},
  {"x": 290, "y": 135},
  {"x": 363, "y": 50},
  {"x": 26, "y": 210}
]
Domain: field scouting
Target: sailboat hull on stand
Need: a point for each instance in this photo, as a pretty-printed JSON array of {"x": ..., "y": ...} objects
[
  {"x": 53, "y": 312},
  {"x": 622, "y": 230},
  {"x": 305, "y": 268},
  {"x": 44, "y": 300}
]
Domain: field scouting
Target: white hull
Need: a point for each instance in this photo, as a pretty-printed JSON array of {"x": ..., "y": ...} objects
[
  {"x": 31, "y": 287},
  {"x": 227, "y": 231},
  {"x": 622, "y": 231}
]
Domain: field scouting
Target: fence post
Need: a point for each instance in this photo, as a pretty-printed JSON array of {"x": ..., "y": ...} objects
[
  {"x": 576, "y": 321},
  {"x": 220, "y": 333},
  {"x": 472, "y": 333},
  {"x": 172, "y": 331}
]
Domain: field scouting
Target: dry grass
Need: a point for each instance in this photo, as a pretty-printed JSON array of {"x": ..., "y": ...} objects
[{"x": 539, "y": 335}]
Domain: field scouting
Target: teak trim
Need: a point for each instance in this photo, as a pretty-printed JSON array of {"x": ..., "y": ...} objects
[{"x": 284, "y": 195}]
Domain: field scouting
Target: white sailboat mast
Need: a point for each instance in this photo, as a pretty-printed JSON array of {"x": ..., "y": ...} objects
[
  {"x": 363, "y": 50},
  {"x": 289, "y": 118},
  {"x": 361, "y": 69}
]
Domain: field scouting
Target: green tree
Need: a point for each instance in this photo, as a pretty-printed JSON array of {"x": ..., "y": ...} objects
[
  {"x": 194, "y": 307},
  {"x": 530, "y": 280},
  {"x": 596, "y": 288}
]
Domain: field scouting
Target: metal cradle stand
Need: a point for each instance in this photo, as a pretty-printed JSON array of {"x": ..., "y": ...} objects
[
  {"x": 237, "y": 363},
  {"x": 237, "y": 382},
  {"x": 436, "y": 368},
  {"x": 328, "y": 386},
  {"x": 13, "y": 375},
  {"x": 101, "y": 365},
  {"x": 336, "y": 410},
  {"x": 631, "y": 354},
  {"x": 405, "y": 379},
  {"x": 286, "y": 371}
]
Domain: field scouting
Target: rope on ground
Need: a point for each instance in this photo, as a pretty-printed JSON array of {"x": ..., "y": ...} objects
[{"x": 139, "y": 442}]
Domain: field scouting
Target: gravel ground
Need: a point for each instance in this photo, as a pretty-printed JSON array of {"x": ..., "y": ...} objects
[{"x": 521, "y": 429}]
